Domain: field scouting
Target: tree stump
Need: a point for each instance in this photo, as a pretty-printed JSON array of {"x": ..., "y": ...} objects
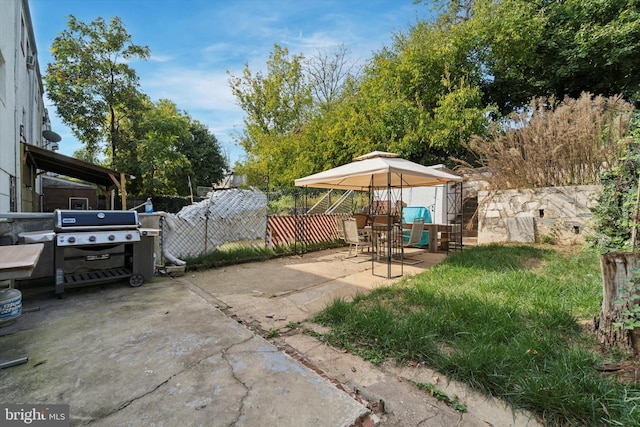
[{"x": 617, "y": 274}]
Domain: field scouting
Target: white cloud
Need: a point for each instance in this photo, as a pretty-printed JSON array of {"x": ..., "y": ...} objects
[
  {"x": 160, "y": 58},
  {"x": 219, "y": 47},
  {"x": 190, "y": 88},
  {"x": 203, "y": 94}
]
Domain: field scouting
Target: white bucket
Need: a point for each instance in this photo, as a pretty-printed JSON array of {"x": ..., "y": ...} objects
[{"x": 10, "y": 305}]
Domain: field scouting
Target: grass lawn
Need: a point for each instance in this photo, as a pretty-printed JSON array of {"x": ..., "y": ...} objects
[{"x": 504, "y": 319}]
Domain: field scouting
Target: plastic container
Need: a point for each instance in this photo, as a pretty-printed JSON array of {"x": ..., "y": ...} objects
[
  {"x": 10, "y": 305},
  {"x": 148, "y": 206}
]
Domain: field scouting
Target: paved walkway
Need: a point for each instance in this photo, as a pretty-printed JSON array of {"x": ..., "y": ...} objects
[{"x": 192, "y": 351}]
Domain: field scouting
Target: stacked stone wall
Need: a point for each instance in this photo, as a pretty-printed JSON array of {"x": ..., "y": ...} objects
[{"x": 554, "y": 214}]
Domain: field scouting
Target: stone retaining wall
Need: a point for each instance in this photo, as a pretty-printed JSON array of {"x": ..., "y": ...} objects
[{"x": 558, "y": 214}]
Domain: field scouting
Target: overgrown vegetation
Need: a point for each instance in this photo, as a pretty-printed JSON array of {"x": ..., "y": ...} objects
[
  {"x": 503, "y": 319},
  {"x": 556, "y": 143},
  {"x": 616, "y": 236},
  {"x": 443, "y": 397},
  {"x": 631, "y": 320},
  {"x": 616, "y": 215}
]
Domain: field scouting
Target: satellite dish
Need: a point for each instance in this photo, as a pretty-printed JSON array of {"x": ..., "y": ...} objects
[{"x": 50, "y": 135}]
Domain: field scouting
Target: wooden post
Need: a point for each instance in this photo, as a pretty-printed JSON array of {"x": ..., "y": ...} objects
[{"x": 123, "y": 190}]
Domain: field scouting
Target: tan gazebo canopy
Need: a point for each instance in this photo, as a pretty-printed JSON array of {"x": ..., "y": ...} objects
[{"x": 377, "y": 171}]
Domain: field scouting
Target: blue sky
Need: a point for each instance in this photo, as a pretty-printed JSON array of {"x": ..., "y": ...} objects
[{"x": 194, "y": 43}]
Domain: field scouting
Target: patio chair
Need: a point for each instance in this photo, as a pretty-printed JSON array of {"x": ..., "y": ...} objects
[
  {"x": 353, "y": 238},
  {"x": 340, "y": 227},
  {"x": 414, "y": 239},
  {"x": 362, "y": 220}
]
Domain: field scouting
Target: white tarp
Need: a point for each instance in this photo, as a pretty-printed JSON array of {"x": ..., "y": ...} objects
[{"x": 226, "y": 216}]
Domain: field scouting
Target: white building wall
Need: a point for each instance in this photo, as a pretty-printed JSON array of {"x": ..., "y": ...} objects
[
  {"x": 8, "y": 45},
  {"x": 21, "y": 106},
  {"x": 432, "y": 198}
]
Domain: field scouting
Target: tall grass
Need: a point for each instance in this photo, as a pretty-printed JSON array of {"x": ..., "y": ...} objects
[
  {"x": 556, "y": 143},
  {"x": 503, "y": 319}
]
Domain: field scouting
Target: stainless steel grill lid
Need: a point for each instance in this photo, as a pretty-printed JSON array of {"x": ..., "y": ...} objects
[{"x": 91, "y": 220}]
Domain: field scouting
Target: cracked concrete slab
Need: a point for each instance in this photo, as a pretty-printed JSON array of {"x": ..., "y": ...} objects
[
  {"x": 395, "y": 386},
  {"x": 158, "y": 355}
]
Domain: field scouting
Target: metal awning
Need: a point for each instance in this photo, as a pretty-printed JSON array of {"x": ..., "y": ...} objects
[{"x": 50, "y": 161}]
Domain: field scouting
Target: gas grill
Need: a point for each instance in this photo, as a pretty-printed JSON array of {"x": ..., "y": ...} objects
[{"x": 100, "y": 246}]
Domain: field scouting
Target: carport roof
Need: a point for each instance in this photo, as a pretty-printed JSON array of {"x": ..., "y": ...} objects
[{"x": 51, "y": 161}]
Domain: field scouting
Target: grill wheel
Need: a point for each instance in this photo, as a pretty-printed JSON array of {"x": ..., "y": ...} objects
[{"x": 136, "y": 280}]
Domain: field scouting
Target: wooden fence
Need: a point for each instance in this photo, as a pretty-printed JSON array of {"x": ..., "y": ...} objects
[{"x": 313, "y": 228}]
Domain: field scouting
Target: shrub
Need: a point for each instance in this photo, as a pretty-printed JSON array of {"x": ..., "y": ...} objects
[{"x": 615, "y": 215}]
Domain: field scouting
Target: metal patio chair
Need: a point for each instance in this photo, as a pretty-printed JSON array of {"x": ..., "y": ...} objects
[
  {"x": 414, "y": 238},
  {"x": 354, "y": 238}
]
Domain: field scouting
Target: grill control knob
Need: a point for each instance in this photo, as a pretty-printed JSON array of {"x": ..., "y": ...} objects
[
  {"x": 92, "y": 238},
  {"x": 112, "y": 237},
  {"x": 129, "y": 236},
  {"x": 71, "y": 239}
]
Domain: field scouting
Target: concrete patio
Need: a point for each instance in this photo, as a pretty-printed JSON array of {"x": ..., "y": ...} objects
[{"x": 213, "y": 348}]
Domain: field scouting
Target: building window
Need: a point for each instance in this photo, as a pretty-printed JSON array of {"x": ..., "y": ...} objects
[{"x": 78, "y": 203}]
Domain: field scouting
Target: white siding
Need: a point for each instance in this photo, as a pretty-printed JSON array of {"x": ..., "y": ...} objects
[{"x": 21, "y": 105}]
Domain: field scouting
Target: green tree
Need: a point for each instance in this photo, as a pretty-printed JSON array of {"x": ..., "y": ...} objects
[
  {"x": 91, "y": 84},
  {"x": 202, "y": 149},
  {"x": 528, "y": 49},
  {"x": 420, "y": 97},
  {"x": 594, "y": 46},
  {"x": 503, "y": 36},
  {"x": 339, "y": 133},
  {"x": 167, "y": 149},
  {"x": 159, "y": 162},
  {"x": 277, "y": 106},
  {"x": 438, "y": 84}
]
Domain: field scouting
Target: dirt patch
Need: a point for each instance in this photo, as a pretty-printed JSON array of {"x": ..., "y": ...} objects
[
  {"x": 626, "y": 372},
  {"x": 563, "y": 250},
  {"x": 532, "y": 263}
]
